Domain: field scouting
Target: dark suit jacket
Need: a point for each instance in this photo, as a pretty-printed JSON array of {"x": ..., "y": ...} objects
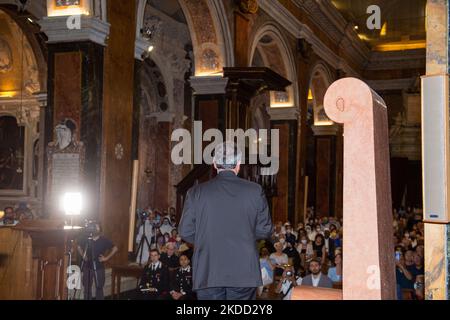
[
  {"x": 158, "y": 279},
  {"x": 224, "y": 218},
  {"x": 324, "y": 281}
]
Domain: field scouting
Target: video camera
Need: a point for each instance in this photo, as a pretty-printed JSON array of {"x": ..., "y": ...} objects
[
  {"x": 144, "y": 214},
  {"x": 90, "y": 227}
]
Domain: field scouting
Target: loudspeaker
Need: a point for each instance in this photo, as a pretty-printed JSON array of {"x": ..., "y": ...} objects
[{"x": 435, "y": 148}]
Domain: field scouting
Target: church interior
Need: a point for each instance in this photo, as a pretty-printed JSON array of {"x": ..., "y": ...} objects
[{"x": 91, "y": 92}]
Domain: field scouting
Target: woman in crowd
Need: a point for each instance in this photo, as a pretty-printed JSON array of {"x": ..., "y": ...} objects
[
  {"x": 305, "y": 249},
  {"x": 160, "y": 243},
  {"x": 279, "y": 259},
  {"x": 320, "y": 251},
  {"x": 267, "y": 269},
  {"x": 335, "y": 272}
]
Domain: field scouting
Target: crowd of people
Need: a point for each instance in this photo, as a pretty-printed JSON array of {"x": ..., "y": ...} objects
[
  {"x": 409, "y": 253},
  {"x": 166, "y": 257},
  {"x": 310, "y": 254},
  {"x": 13, "y": 215}
]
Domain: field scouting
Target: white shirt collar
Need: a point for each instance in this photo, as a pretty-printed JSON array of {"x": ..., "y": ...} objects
[
  {"x": 187, "y": 269},
  {"x": 315, "y": 281}
]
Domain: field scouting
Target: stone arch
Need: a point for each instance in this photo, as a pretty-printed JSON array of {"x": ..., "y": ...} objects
[
  {"x": 210, "y": 34},
  {"x": 270, "y": 49},
  {"x": 154, "y": 89},
  {"x": 15, "y": 31},
  {"x": 320, "y": 80}
]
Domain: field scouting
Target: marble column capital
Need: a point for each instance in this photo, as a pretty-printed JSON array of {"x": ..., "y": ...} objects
[
  {"x": 291, "y": 113},
  {"x": 209, "y": 85},
  {"x": 83, "y": 28},
  {"x": 327, "y": 130}
]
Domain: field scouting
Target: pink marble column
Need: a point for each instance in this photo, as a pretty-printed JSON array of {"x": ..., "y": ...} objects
[{"x": 368, "y": 252}]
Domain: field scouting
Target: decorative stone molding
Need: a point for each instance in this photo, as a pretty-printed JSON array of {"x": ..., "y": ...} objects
[
  {"x": 209, "y": 85},
  {"x": 394, "y": 84},
  {"x": 397, "y": 60},
  {"x": 41, "y": 98},
  {"x": 329, "y": 19},
  {"x": 92, "y": 29},
  {"x": 140, "y": 48},
  {"x": 279, "y": 13},
  {"x": 162, "y": 116},
  {"x": 327, "y": 130},
  {"x": 283, "y": 113}
]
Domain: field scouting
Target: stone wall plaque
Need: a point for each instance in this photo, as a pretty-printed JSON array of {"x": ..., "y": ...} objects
[{"x": 65, "y": 172}]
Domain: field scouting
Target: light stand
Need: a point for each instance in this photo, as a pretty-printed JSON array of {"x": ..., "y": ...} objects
[
  {"x": 72, "y": 206},
  {"x": 142, "y": 242}
]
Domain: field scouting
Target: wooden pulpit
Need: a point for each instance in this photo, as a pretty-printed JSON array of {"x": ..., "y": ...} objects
[{"x": 33, "y": 260}]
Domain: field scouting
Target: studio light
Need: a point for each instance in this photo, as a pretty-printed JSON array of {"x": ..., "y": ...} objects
[{"x": 72, "y": 203}]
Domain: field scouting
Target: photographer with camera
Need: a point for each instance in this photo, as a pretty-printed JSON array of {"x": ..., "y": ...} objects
[
  {"x": 145, "y": 235},
  {"x": 288, "y": 282},
  {"x": 95, "y": 250}
]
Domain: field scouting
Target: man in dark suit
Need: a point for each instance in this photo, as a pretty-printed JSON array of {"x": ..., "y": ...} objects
[
  {"x": 181, "y": 286},
  {"x": 154, "y": 283},
  {"x": 317, "y": 279},
  {"x": 223, "y": 218}
]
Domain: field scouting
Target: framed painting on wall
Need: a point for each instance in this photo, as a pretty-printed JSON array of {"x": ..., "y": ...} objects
[{"x": 12, "y": 155}]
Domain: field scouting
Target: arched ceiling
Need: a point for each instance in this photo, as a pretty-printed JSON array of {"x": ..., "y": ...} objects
[
  {"x": 402, "y": 21},
  {"x": 19, "y": 72},
  {"x": 170, "y": 8}
]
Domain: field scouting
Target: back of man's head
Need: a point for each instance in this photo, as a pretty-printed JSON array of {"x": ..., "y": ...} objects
[{"x": 227, "y": 156}]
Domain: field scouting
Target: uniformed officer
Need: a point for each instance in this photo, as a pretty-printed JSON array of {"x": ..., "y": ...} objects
[
  {"x": 154, "y": 284},
  {"x": 181, "y": 288}
]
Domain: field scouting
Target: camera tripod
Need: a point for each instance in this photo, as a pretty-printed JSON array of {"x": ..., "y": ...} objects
[
  {"x": 144, "y": 241},
  {"x": 88, "y": 249}
]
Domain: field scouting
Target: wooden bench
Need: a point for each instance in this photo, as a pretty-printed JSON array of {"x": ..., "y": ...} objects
[{"x": 123, "y": 271}]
